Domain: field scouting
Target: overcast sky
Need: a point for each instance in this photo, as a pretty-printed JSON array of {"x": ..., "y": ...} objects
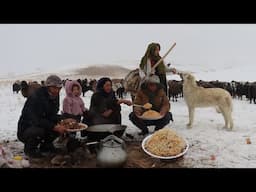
[{"x": 30, "y": 47}]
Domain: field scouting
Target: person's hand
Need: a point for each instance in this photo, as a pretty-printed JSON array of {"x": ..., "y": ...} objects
[
  {"x": 138, "y": 112},
  {"x": 69, "y": 120},
  {"x": 127, "y": 102},
  {"x": 174, "y": 70},
  {"x": 60, "y": 129},
  {"x": 107, "y": 113},
  {"x": 162, "y": 113}
]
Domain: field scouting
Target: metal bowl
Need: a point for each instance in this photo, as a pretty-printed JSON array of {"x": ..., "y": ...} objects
[{"x": 99, "y": 132}]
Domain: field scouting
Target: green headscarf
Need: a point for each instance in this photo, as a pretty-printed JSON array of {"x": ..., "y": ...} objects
[{"x": 150, "y": 54}]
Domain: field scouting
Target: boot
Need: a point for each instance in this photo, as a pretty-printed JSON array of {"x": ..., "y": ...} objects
[
  {"x": 143, "y": 132},
  {"x": 72, "y": 144},
  {"x": 32, "y": 151},
  {"x": 31, "y": 148},
  {"x": 48, "y": 148}
]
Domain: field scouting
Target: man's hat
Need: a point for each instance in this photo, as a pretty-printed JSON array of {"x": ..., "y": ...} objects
[{"x": 53, "y": 81}]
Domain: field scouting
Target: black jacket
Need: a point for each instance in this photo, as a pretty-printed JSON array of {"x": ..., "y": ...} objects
[
  {"x": 39, "y": 110},
  {"x": 101, "y": 103}
]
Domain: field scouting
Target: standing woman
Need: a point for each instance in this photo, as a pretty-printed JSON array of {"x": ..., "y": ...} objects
[{"x": 148, "y": 61}]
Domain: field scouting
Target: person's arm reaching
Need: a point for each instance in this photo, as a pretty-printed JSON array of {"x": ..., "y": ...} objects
[{"x": 124, "y": 101}]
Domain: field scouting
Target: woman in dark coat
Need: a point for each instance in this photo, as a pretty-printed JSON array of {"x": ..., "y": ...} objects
[{"x": 105, "y": 107}]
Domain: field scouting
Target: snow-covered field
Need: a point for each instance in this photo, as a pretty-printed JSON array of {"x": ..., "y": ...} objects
[{"x": 210, "y": 144}]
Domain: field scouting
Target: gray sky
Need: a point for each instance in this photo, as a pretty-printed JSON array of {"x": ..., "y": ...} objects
[{"x": 25, "y": 48}]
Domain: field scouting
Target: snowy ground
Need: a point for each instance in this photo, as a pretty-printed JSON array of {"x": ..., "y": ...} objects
[{"x": 210, "y": 144}]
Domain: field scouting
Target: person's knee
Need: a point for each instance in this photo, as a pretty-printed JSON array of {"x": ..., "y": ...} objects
[
  {"x": 166, "y": 119},
  {"x": 33, "y": 132},
  {"x": 170, "y": 116}
]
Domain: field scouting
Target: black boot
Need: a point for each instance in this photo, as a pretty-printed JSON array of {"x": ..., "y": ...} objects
[
  {"x": 73, "y": 144},
  {"x": 141, "y": 124},
  {"x": 32, "y": 151},
  {"x": 48, "y": 148},
  {"x": 143, "y": 132}
]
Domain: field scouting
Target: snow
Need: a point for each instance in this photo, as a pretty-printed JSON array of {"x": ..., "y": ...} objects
[{"x": 207, "y": 138}]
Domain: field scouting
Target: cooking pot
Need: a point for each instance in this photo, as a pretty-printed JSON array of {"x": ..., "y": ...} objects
[
  {"x": 99, "y": 132},
  {"x": 111, "y": 152}
]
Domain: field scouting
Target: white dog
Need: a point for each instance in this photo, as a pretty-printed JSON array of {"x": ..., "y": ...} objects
[{"x": 196, "y": 96}]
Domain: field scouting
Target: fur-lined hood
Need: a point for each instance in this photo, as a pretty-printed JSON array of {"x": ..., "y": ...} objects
[{"x": 69, "y": 85}]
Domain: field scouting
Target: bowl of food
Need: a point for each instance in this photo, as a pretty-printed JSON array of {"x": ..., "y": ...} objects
[
  {"x": 151, "y": 115},
  {"x": 165, "y": 144},
  {"x": 72, "y": 125}
]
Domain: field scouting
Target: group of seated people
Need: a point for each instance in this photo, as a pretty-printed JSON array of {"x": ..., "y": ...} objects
[{"x": 39, "y": 125}]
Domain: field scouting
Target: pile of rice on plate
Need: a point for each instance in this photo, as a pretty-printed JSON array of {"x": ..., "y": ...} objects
[
  {"x": 151, "y": 114},
  {"x": 165, "y": 143}
]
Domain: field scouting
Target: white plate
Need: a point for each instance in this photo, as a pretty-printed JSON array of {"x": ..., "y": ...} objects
[
  {"x": 151, "y": 118},
  {"x": 160, "y": 157},
  {"x": 76, "y": 130}
]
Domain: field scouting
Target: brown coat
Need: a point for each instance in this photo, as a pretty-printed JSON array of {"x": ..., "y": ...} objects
[{"x": 160, "y": 100}]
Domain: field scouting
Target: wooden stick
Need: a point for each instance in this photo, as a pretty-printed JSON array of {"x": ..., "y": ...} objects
[{"x": 155, "y": 66}]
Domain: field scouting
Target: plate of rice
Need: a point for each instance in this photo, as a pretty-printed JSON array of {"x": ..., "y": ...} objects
[
  {"x": 165, "y": 144},
  {"x": 151, "y": 115}
]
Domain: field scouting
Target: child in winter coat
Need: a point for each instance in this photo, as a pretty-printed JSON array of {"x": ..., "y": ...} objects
[{"x": 73, "y": 105}]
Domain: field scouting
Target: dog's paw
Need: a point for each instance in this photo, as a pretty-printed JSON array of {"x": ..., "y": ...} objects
[
  {"x": 189, "y": 126},
  {"x": 228, "y": 130}
]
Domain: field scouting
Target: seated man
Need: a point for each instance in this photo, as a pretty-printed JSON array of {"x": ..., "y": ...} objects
[
  {"x": 38, "y": 122},
  {"x": 151, "y": 92}
]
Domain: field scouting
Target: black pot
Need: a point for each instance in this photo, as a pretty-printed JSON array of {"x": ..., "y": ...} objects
[{"x": 99, "y": 132}]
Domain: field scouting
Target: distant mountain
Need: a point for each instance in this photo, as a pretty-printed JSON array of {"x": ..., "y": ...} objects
[
  {"x": 104, "y": 70},
  {"x": 203, "y": 72}
]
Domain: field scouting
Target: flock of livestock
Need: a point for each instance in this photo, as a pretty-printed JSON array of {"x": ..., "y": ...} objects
[
  {"x": 27, "y": 88},
  {"x": 236, "y": 89}
]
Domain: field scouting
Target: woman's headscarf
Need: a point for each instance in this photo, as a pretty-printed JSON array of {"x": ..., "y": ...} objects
[
  {"x": 100, "y": 86},
  {"x": 150, "y": 53}
]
